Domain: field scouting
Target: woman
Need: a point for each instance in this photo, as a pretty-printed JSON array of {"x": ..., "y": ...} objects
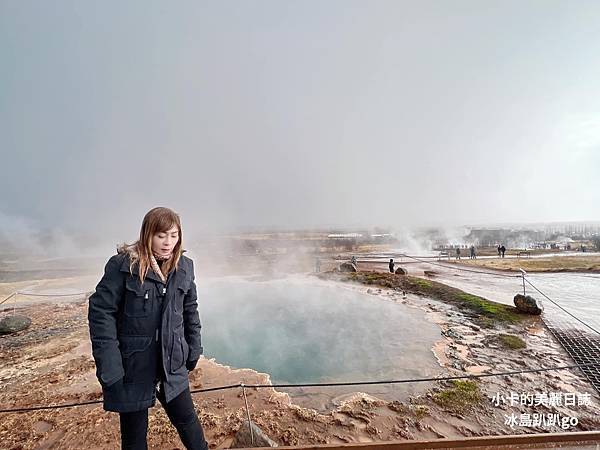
[{"x": 145, "y": 332}]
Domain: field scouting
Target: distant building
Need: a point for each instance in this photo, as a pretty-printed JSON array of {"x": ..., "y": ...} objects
[{"x": 344, "y": 236}]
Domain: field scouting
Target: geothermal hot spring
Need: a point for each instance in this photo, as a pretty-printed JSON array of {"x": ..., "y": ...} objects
[{"x": 299, "y": 330}]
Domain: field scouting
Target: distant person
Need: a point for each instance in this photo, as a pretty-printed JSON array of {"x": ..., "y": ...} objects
[
  {"x": 503, "y": 250},
  {"x": 145, "y": 331},
  {"x": 391, "y": 265},
  {"x": 499, "y": 250},
  {"x": 318, "y": 265},
  {"x": 457, "y": 252},
  {"x": 353, "y": 260},
  {"x": 472, "y": 252}
]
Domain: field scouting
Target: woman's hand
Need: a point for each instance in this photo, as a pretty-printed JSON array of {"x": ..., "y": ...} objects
[{"x": 191, "y": 365}]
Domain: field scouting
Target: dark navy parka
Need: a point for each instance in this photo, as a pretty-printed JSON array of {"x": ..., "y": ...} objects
[{"x": 143, "y": 332}]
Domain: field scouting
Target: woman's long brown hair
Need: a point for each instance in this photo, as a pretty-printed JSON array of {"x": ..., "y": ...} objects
[{"x": 157, "y": 220}]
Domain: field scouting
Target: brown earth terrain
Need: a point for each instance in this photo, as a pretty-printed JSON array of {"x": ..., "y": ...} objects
[{"x": 51, "y": 363}]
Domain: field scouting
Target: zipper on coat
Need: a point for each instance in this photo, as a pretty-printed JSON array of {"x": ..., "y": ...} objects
[{"x": 156, "y": 338}]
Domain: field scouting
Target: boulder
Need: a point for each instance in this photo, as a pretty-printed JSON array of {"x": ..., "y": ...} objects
[
  {"x": 527, "y": 304},
  {"x": 243, "y": 438},
  {"x": 347, "y": 267},
  {"x": 14, "y": 323},
  {"x": 401, "y": 271}
]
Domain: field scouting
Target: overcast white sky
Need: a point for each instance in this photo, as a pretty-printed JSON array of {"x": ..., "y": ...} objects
[{"x": 298, "y": 113}]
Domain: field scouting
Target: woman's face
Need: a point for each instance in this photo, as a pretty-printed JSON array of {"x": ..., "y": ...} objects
[{"x": 164, "y": 242}]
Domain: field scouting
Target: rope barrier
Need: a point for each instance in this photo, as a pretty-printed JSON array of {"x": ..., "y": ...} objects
[
  {"x": 355, "y": 383},
  {"x": 8, "y": 298},
  {"x": 570, "y": 314},
  {"x": 34, "y": 294},
  {"x": 243, "y": 386},
  {"x": 511, "y": 276},
  {"x": 420, "y": 380},
  {"x": 464, "y": 269}
]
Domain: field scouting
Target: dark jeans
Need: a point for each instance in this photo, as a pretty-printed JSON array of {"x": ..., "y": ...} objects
[{"x": 181, "y": 412}]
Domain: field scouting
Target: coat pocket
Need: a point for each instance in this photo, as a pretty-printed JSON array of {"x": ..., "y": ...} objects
[
  {"x": 137, "y": 362},
  {"x": 139, "y": 299},
  {"x": 179, "y": 299},
  {"x": 179, "y": 349},
  {"x": 182, "y": 291}
]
